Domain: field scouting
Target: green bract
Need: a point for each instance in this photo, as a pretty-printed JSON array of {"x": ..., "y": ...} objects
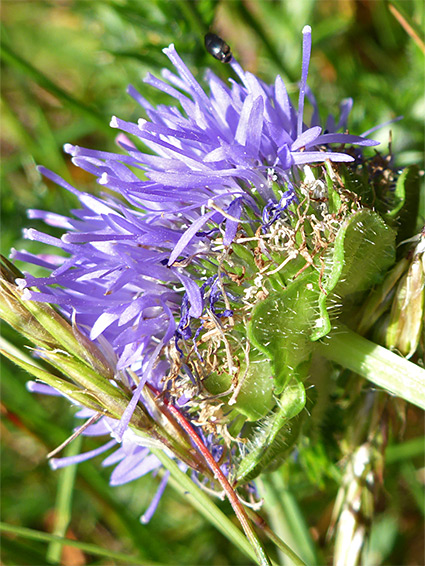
[
  {"x": 333, "y": 253},
  {"x": 364, "y": 250}
]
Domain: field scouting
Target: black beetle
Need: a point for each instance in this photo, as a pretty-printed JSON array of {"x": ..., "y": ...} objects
[{"x": 218, "y": 48}]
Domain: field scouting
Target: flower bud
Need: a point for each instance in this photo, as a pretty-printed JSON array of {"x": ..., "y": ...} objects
[{"x": 407, "y": 313}]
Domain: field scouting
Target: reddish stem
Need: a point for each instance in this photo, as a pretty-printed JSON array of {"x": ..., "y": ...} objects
[{"x": 221, "y": 478}]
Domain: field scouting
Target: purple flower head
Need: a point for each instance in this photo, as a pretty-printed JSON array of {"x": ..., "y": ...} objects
[
  {"x": 142, "y": 270},
  {"x": 212, "y": 163}
]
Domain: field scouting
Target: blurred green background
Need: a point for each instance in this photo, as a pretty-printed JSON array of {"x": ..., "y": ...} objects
[{"x": 65, "y": 69}]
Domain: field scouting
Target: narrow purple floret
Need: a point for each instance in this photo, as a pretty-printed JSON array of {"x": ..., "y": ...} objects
[
  {"x": 148, "y": 514},
  {"x": 210, "y": 166}
]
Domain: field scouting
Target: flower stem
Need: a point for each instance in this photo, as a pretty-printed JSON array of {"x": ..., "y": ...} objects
[
  {"x": 63, "y": 505},
  {"x": 377, "y": 364},
  {"x": 288, "y": 555},
  {"x": 263, "y": 559},
  {"x": 184, "y": 485},
  {"x": 230, "y": 492}
]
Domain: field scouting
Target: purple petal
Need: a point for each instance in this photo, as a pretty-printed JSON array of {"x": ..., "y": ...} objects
[
  {"x": 56, "y": 463},
  {"x": 125, "y": 419},
  {"x": 341, "y": 138},
  {"x": 382, "y": 125},
  {"x": 194, "y": 294},
  {"x": 234, "y": 209},
  {"x": 345, "y": 109},
  {"x": 250, "y": 125},
  {"x": 304, "y": 73},
  {"x": 319, "y": 156},
  {"x": 307, "y": 138},
  {"x": 188, "y": 235},
  {"x": 35, "y": 387},
  {"x": 147, "y": 515},
  {"x": 127, "y": 470}
]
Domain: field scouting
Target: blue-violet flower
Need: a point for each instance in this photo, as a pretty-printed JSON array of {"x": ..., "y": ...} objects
[{"x": 148, "y": 271}]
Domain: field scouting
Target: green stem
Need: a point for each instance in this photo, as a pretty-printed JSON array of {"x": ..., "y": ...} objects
[
  {"x": 287, "y": 521},
  {"x": 63, "y": 504},
  {"x": 377, "y": 364},
  {"x": 237, "y": 506},
  {"x": 288, "y": 556},
  {"x": 83, "y": 546},
  {"x": 201, "y": 501}
]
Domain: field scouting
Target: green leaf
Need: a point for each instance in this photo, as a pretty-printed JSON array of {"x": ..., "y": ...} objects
[
  {"x": 271, "y": 441},
  {"x": 408, "y": 193},
  {"x": 280, "y": 327},
  {"x": 357, "y": 183},
  {"x": 399, "y": 194},
  {"x": 412, "y": 27},
  {"x": 393, "y": 373},
  {"x": 364, "y": 250},
  {"x": 68, "y": 389},
  {"x": 255, "y": 398},
  {"x": 287, "y": 518},
  {"x": 93, "y": 549},
  {"x": 334, "y": 198},
  {"x": 71, "y": 339}
]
